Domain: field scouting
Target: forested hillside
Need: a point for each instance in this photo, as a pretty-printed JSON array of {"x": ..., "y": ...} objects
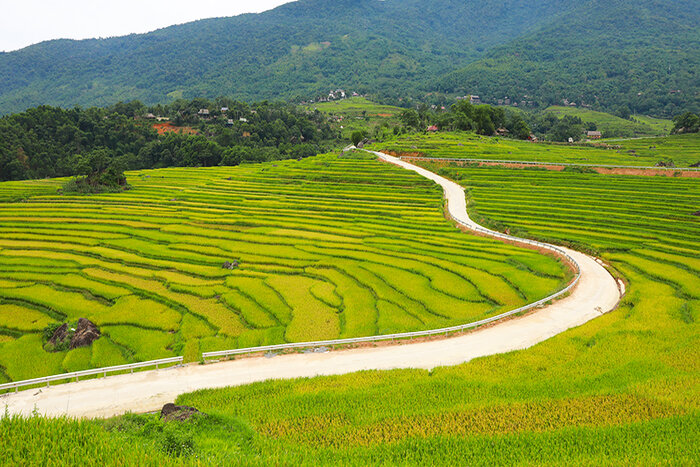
[
  {"x": 622, "y": 56},
  {"x": 52, "y": 142},
  {"x": 298, "y": 49},
  {"x": 602, "y": 53}
]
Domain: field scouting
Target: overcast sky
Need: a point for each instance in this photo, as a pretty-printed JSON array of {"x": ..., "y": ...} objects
[{"x": 26, "y": 22}]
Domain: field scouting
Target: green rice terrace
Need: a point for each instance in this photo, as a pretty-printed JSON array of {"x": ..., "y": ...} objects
[
  {"x": 637, "y": 125},
  {"x": 321, "y": 248},
  {"x": 621, "y": 389},
  {"x": 358, "y": 113},
  {"x": 683, "y": 150}
]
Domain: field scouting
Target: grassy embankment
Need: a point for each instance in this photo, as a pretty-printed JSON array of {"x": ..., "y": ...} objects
[
  {"x": 327, "y": 248},
  {"x": 683, "y": 150},
  {"x": 358, "y": 113},
  {"x": 622, "y": 389},
  {"x": 616, "y": 127}
]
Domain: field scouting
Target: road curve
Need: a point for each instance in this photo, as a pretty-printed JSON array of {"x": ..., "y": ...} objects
[{"x": 596, "y": 293}]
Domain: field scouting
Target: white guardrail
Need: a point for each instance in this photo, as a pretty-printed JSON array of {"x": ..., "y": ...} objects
[
  {"x": 430, "y": 332},
  {"x": 95, "y": 371},
  {"x": 565, "y": 164}
]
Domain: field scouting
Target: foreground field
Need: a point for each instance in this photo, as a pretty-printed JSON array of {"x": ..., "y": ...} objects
[
  {"x": 683, "y": 150},
  {"x": 326, "y": 247},
  {"x": 622, "y": 389}
]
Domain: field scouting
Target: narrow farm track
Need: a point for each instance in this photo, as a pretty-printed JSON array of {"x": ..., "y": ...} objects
[{"x": 595, "y": 294}]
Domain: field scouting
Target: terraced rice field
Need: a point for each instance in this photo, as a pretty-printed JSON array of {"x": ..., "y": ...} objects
[
  {"x": 684, "y": 150},
  {"x": 655, "y": 217},
  {"x": 638, "y": 125},
  {"x": 357, "y": 113},
  {"x": 327, "y": 247},
  {"x": 622, "y": 389}
]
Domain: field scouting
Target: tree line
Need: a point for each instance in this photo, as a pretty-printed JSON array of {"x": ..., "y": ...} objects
[{"x": 53, "y": 142}]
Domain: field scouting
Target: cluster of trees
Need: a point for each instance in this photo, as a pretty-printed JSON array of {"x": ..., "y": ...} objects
[
  {"x": 687, "y": 122},
  {"x": 552, "y": 128},
  {"x": 482, "y": 119},
  {"x": 97, "y": 172},
  {"x": 489, "y": 121},
  {"x": 101, "y": 142}
]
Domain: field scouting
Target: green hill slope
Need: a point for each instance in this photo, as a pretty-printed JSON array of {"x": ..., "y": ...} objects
[
  {"x": 300, "y": 48},
  {"x": 621, "y": 54},
  {"x": 549, "y": 50},
  {"x": 613, "y": 126}
]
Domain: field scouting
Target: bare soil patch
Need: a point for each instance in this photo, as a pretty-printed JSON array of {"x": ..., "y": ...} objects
[{"x": 167, "y": 127}]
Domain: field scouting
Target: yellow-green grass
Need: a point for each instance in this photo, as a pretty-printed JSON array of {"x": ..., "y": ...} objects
[
  {"x": 660, "y": 125},
  {"x": 622, "y": 389},
  {"x": 24, "y": 358},
  {"x": 631, "y": 374},
  {"x": 74, "y": 281},
  {"x": 145, "y": 344},
  {"x": 138, "y": 440},
  {"x": 319, "y": 243},
  {"x": 22, "y": 318},
  {"x": 684, "y": 150},
  {"x": 614, "y": 126},
  {"x": 357, "y": 113},
  {"x": 356, "y": 106}
]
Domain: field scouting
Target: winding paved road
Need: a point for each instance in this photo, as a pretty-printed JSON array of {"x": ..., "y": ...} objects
[{"x": 595, "y": 294}]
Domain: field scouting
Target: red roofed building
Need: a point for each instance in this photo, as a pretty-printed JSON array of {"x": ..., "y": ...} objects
[{"x": 432, "y": 128}]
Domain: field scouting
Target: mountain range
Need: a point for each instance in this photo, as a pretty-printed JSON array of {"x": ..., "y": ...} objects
[{"x": 640, "y": 54}]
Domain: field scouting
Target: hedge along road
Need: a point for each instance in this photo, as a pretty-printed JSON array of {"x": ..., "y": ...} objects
[{"x": 596, "y": 293}]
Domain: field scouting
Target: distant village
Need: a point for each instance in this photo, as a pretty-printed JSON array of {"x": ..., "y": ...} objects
[
  {"x": 338, "y": 94},
  {"x": 223, "y": 115},
  {"x": 524, "y": 101}
]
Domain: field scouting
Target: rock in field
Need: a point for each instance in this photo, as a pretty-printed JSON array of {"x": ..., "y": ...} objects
[
  {"x": 85, "y": 334},
  {"x": 179, "y": 413},
  {"x": 67, "y": 337}
]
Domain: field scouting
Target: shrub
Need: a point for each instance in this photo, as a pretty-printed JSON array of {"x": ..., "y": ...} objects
[
  {"x": 357, "y": 136},
  {"x": 49, "y": 331},
  {"x": 579, "y": 169},
  {"x": 176, "y": 441}
]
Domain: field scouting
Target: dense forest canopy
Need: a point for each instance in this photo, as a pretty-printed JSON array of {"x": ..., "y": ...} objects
[
  {"x": 623, "y": 56},
  {"x": 53, "y": 142},
  {"x": 602, "y": 53}
]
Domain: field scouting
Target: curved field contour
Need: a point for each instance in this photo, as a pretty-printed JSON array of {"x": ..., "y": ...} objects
[{"x": 596, "y": 293}]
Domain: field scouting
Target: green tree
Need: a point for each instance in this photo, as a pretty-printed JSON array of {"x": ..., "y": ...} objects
[
  {"x": 518, "y": 127},
  {"x": 687, "y": 122},
  {"x": 357, "y": 137},
  {"x": 567, "y": 127},
  {"x": 411, "y": 119}
]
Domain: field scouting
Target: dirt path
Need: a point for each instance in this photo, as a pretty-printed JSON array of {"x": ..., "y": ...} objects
[{"x": 595, "y": 294}]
